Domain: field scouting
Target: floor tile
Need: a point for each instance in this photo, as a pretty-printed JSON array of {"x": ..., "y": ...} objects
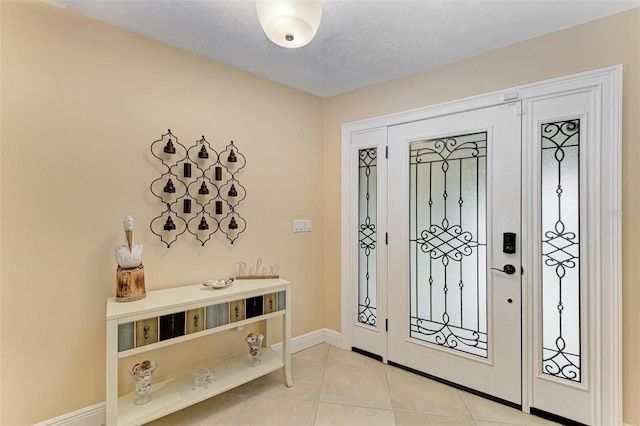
[
  {"x": 220, "y": 410},
  {"x": 317, "y": 352},
  {"x": 533, "y": 421},
  {"x": 408, "y": 418},
  {"x": 411, "y": 392},
  {"x": 307, "y": 377},
  {"x": 333, "y": 414},
  {"x": 276, "y": 412},
  {"x": 482, "y": 409},
  {"x": 338, "y": 355},
  {"x": 336, "y": 387},
  {"x": 180, "y": 418},
  {"x": 530, "y": 422},
  {"x": 243, "y": 389},
  {"x": 363, "y": 385}
]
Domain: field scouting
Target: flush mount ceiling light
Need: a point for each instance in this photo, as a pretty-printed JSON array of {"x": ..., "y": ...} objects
[{"x": 289, "y": 23}]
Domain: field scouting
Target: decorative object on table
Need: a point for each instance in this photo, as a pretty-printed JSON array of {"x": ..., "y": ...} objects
[
  {"x": 199, "y": 190},
  {"x": 254, "y": 340},
  {"x": 219, "y": 283},
  {"x": 257, "y": 272},
  {"x": 141, "y": 374},
  {"x": 130, "y": 273},
  {"x": 202, "y": 377}
]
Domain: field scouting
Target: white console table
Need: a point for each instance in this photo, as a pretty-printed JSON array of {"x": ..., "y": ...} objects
[{"x": 198, "y": 311}]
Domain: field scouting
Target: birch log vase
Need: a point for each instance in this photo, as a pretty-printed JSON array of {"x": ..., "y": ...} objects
[{"x": 130, "y": 284}]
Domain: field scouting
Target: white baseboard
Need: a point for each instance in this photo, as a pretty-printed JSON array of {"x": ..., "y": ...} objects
[
  {"x": 332, "y": 337},
  {"x": 313, "y": 338},
  {"x": 95, "y": 415}
]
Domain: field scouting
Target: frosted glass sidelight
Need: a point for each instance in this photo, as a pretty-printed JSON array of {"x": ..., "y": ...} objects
[
  {"x": 447, "y": 238},
  {"x": 561, "y": 346},
  {"x": 367, "y": 236}
]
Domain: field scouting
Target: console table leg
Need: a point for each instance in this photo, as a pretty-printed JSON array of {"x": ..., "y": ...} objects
[
  {"x": 286, "y": 340},
  {"x": 112, "y": 373}
]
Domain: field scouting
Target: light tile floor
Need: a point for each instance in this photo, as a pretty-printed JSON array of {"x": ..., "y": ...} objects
[{"x": 336, "y": 387}]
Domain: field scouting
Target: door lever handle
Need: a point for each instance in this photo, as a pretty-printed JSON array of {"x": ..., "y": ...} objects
[{"x": 507, "y": 269}]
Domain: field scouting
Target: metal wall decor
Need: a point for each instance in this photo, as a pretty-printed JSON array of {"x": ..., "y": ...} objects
[
  {"x": 199, "y": 190},
  {"x": 560, "y": 239},
  {"x": 367, "y": 238},
  {"x": 447, "y": 238}
]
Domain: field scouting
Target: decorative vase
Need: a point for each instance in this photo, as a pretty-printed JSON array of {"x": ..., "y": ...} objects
[
  {"x": 255, "y": 343},
  {"x": 141, "y": 374}
]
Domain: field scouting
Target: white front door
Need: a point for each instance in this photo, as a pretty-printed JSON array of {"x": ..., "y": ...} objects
[
  {"x": 455, "y": 184},
  {"x": 454, "y": 278}
]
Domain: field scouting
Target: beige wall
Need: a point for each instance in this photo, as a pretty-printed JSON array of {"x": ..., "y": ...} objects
[
  {"x": 609, "y": 41},
  {"x": 81, "y": 103}
]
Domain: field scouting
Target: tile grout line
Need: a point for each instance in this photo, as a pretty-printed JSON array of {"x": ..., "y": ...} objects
[
  {"x": 324, "y": 371},
  {"x": 465, "y": 405},
  {"x": 235, "y": 420},
  {"x": 386, "y": 376}
]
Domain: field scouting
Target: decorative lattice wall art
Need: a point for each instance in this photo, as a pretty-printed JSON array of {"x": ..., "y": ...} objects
[{"x": 199, "y": 190}]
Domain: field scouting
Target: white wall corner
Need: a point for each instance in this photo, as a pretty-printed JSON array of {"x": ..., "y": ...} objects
[{"x": 332, "y": 337}]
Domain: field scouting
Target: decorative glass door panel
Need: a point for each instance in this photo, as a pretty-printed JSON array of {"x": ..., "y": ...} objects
[
  {"x": 367, "y": 235},
  {"x": 367, "y": 250},
  {"x": 561, "y": 350},
  {"x": 447, "y": 227}
]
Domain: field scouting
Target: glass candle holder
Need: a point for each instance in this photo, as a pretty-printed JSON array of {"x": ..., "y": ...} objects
[
  {"x": 141, "y": 374},
  {"x": 255, "y": 343}
]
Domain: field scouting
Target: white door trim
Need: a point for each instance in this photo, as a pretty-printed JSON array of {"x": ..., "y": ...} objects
[{"x": 606, "y": 212}]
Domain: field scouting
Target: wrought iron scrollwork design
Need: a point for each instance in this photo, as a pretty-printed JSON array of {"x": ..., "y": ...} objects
[
  {"x": 561, "y": 248},
  {"x": 200, "y": 190},
  {"x": 446, "y": 242},
  {"x": 446, "y": 203},
  {"x": 367, "y": 236},
  {"x": 448, "y": 335}
]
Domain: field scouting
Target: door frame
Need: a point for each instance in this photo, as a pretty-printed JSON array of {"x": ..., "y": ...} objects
[{"x": 606, "y": 323}]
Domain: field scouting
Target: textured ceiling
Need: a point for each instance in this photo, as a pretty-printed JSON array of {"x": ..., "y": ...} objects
[{"x": 359, "y": 43}]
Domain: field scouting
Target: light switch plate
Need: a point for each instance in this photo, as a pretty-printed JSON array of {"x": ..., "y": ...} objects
[{"x": 302, "y": 225}]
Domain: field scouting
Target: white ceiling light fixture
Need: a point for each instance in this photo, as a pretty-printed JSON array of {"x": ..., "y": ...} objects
[{"x": 289, "y": 23}]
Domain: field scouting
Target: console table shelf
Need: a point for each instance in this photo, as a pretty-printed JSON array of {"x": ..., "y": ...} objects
[{"x": 176, "y": 393}]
